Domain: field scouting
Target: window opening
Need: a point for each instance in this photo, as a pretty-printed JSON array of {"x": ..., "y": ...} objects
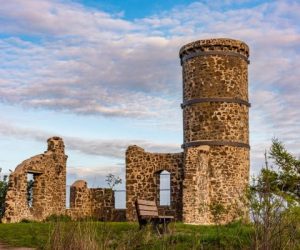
[
  {"x": 165, "y": 188},
  {"x": 30, "y": 184},
  {"x": 120, "y": 199}
]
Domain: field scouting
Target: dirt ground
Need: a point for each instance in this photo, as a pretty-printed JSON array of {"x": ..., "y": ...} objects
[{"x": 4, "y": 247}]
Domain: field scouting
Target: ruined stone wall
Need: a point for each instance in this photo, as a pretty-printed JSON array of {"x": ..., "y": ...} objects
[
  {"x": 142, "y": 170},
  {"x": 80, "y": 202},
  {"x": 49, "y": 190},
  {"x": 85, "y": 202},
  {"x": 102, "y": 203},
  {"x": 215, "y": 113}
]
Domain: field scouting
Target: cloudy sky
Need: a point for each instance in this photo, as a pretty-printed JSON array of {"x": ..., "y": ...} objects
[{"x": 104, "y": 74}]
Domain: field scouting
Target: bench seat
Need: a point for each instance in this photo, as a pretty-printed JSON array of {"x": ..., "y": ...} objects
[{"x": 147, "y": 212}]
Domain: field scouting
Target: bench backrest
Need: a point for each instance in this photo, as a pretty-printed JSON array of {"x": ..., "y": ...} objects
[{"x": 146, "y": 208}]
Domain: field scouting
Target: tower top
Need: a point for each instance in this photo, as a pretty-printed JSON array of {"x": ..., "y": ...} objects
[
  {"x": 215, "y": 44},
  {"x": 56, "y": 144}
]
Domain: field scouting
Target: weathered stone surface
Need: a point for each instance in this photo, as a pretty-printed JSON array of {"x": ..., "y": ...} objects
[
  {"x": 216, "y": 121},
  {"x": 215, "y": 113},
  {"x": 142, "y": 180},
  {"x": 220, "y": 175},
  {"x": 49, "y": 190},
  {"x": 196, "y": 185},
  {"x": 97, "y": 203},
  {"x": 229, "y": 177}
]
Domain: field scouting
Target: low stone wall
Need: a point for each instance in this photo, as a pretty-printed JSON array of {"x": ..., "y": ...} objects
[{"x": 97, "y": 203}]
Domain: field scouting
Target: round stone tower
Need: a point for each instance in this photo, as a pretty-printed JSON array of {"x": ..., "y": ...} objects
[{"x": 216, "y": 131}]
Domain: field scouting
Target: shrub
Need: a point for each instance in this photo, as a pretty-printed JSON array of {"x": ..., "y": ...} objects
[{"x": 58, "y": 218}]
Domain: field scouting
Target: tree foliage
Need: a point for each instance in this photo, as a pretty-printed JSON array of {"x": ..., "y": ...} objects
[
  {"x": 3, "y": 191},
  {"x": 284, "y": 176},
  {"x": 274, "y": 201}
]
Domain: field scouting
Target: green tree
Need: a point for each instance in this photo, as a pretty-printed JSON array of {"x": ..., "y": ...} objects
[
  {"x": 3, "y": 191},
  {"x": 274, "y": 201},
  {"x": 286, "y": 180}
]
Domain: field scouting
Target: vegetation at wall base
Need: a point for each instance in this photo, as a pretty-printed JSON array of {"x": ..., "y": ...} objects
[
  {"x": 273, "y": 202},
  {"x": 122, "y": 235},
  {"x": 3, "y": 191},
  {"x": 90, "y": 235}
]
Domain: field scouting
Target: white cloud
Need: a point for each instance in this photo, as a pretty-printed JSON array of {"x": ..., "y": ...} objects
[
  {"x": 87, "y": 61},
  {"x": 57, "y": 18},
  {"x": 84, "y": 172},
  {"x": 95, "y": 176},
  {"x": 97, "y": 147}
]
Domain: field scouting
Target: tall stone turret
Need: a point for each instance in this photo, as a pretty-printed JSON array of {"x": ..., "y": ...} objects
[{"x": 216, "y": 131}]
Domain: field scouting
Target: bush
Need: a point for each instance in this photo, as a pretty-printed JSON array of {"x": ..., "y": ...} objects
[
  {"x": 26, "y": 221},
  {"x": 58, "y": 218},
  {"x": 274, "y": 203}
]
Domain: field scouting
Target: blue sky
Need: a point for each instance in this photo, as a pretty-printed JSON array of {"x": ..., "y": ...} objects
[
  {"x": 106, "y": 74},
  {"x": 134, "y": 9}
]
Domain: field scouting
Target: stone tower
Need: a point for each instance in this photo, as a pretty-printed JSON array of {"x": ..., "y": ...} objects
[{"x": 216, "y": 131}]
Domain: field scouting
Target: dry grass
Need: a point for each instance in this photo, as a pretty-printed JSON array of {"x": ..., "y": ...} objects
[{"x": 73, "y": 236}]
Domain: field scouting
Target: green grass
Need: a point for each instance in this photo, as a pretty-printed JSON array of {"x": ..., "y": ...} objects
[
  {"x": 122, "y": 235},
  {"x": 25, "y": 234}
]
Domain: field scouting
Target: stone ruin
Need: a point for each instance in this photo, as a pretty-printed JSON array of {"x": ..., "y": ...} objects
[
  {"x": 85, "y": 202},
  {"x": 49, "y": 190},
  {"x": 213, "y": 168},
  {"x": 49, "y": 186}
]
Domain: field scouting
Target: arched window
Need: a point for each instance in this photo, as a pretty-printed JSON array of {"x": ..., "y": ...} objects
[{"x": 164, "y": 188}]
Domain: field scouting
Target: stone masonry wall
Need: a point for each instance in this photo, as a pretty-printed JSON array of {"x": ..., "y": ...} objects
[
  {"x": 216, "y": 121},
  {"x": 102, "y": 203},
  {"x": 215, "y": 113},
  {"x": 196, "y": 185},
  {"x": 98, "y": 203},
  {"x": 80, "y": 202},
  {"x": 142, "y": 170},
  {"x": 215, "y": 76},
  {"x": 229, "y": 178},
  {"x": 49, "y": 190}
]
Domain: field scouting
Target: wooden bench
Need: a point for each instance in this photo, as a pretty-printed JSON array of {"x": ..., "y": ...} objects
[{"x": 147, "y": 212}]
